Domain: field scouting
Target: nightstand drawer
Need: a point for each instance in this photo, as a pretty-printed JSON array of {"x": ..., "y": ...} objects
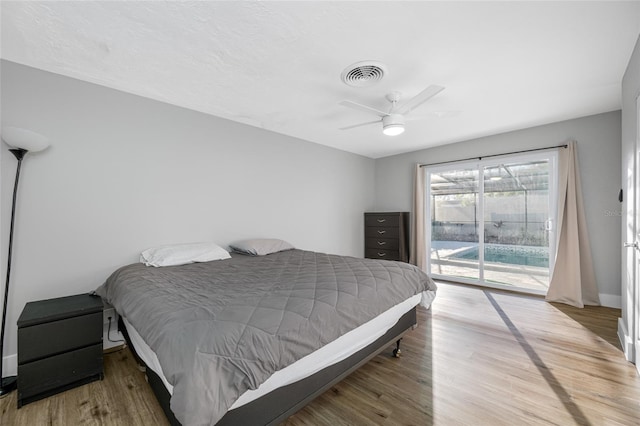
[
  {"x": 382, "y": 254},
  {"x": 381, "y": 232},
  {"x": 391, "y": 220},
  {"x": 42, "y": 340},
  {"x": 382, "y": 243},
  {"x": 36, "y": 379}
]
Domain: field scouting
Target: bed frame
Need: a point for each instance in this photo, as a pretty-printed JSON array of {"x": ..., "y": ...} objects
[{"x": 278, "y": 405}]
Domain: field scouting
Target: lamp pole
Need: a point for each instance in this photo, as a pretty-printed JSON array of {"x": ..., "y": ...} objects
[
  {"x": 20, "y": 141},
  {"x": 7, "y": 384}
]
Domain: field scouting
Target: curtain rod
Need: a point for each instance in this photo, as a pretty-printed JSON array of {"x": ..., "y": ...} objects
[{"x": 495, "y": 155}]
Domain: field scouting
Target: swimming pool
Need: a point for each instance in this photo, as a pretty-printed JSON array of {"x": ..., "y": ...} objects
[{"x": 512, "y": 255}]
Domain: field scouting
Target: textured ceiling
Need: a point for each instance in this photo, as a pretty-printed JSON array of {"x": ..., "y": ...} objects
[{"x": 277, "y": 65}]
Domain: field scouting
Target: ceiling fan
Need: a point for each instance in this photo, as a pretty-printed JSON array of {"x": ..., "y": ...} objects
[{"x": 393, "y": 120}]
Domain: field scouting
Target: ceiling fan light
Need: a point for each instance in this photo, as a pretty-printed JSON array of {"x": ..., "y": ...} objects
[
  {"x": 393, "y": 129},
  {"x": 392, "y": 124}
]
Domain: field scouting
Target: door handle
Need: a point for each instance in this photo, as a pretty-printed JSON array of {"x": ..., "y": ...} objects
[{"x": 632, "y": 245}]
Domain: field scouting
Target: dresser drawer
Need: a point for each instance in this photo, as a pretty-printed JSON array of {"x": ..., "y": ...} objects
[
  {"x": 42, "y": 340},
  {"x": 386, "y": 235},
  {"x": 381, "y": 232},
  {"x": 382, "y": 220},
  {"x": 40, "y": 377},
  {"x": 382, "y": 243},
  {"x": 382, "y": 254}
]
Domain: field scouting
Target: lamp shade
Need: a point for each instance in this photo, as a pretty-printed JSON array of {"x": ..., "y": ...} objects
[{"x": 24, "y": 139}]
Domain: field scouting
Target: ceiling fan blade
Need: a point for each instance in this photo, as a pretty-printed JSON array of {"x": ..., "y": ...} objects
[
  {"x": 419, "y": 99},
  {"x": 446, "y": 114},
  {"x": 360, "y": 125},
  {"x": 355, "y": 105},
  {"x": 432, "y": 114}
]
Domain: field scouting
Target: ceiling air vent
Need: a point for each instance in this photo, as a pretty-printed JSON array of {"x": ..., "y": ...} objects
[{"x": 363, "y": 74}]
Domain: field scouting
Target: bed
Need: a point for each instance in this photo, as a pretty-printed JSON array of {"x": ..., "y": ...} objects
[{"x": 251, "y": 339}]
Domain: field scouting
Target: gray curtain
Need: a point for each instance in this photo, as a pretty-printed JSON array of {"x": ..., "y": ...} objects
[
  {"x": 573, "y": 281},
  {"x": 418, "y": 244}
]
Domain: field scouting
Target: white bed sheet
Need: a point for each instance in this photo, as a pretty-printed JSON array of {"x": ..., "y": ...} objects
[{"x": 334, "y": 352}]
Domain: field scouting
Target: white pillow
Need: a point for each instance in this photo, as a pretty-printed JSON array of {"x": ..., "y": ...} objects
[
  {"x": 181, "y": 254},
  {"x": 260, "y": 246}
]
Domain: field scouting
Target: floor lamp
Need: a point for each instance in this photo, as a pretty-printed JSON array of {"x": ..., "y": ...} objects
[{"x": 20, "y": 141}]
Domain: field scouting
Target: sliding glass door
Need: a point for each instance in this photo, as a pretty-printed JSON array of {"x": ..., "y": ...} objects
[
  {"x": 453, "y": 199},
  {"x": 492, "y": 221}
]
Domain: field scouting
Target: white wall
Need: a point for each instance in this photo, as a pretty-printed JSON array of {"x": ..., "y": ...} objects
[
  {"x": 125, "y": 173},
  {"x": 598, "y": 139},
  {"x": 627, "y": 327}
]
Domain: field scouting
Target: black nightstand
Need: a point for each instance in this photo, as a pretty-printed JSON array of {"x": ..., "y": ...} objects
[{"x": 59, "y": 346}]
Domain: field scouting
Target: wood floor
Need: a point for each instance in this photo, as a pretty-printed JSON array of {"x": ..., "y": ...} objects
[{"x": 478, "y": 357}]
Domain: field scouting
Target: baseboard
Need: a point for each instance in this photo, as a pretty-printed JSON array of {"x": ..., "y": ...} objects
[
  {"x": 625, "y": 341},
  {"x": 611, "y": 300},
  {"x": 10, "y": 365}
]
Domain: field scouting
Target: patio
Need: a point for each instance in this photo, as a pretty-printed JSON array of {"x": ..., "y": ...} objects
[{"x": 446, "y": 261}]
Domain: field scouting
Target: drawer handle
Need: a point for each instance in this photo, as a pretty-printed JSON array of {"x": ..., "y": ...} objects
[
  {"x": 382, "y": 220},
  {"x": 382, "y": 254},
  {"x": 381, "y": 232},
  {"x": 381, "y": 243}
]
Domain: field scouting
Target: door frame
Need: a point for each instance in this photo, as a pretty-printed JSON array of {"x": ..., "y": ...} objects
[{"x": 635, "y": 203}]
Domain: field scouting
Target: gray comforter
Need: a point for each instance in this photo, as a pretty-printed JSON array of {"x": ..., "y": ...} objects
[{"x": 221, "y": 328}]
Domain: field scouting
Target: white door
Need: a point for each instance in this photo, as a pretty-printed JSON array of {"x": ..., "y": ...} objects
[
  {"x": 629, "y": 324},
  {"x": 635, "y": 242}
]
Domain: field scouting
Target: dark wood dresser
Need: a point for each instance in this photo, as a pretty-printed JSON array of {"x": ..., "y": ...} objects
[
  {"x": 59, "y": 346},
  {"x": 386, "y": 236}
]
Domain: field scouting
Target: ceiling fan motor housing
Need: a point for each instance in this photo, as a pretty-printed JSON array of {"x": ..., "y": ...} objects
[
  {"x": 391, "y": 119},
  {"x": 392, "y": 124}
]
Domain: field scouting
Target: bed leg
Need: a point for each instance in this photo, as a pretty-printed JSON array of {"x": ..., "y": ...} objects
[{"x": 397, "y": 352}]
